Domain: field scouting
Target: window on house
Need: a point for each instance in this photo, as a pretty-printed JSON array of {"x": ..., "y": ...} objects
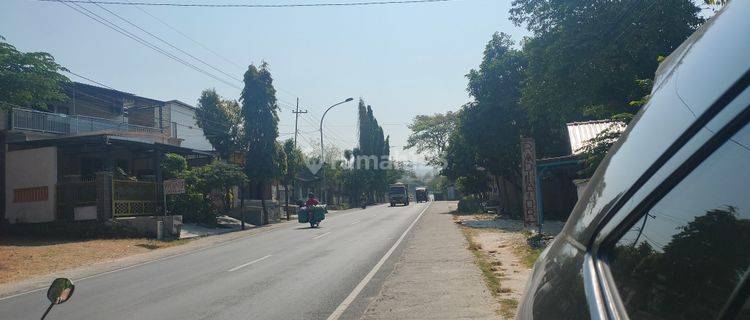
[
  {"x": 685, "y": 257},
  {"x": 30, "y": 194}
]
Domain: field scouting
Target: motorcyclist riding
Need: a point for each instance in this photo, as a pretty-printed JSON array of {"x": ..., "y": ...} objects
[{"x": 311, "y": 201}]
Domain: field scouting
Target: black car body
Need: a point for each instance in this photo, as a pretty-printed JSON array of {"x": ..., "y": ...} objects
[{"x": 663, "y": 229}]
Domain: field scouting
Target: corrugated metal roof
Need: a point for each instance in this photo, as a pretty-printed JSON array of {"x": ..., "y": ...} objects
[{"x": 580, "y": 132}]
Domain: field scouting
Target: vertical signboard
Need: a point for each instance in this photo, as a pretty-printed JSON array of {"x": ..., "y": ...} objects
[
  {"x": 174, "y": 186},
  {"x": 528, "y": 175}
]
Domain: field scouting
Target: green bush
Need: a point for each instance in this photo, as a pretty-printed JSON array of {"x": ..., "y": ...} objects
[
  {"x": 469, "y": 204},
  {"x": 193, "y": 208}
]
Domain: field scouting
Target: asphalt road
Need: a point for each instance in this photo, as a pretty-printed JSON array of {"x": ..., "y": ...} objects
[{"x": 289, "y": 273}]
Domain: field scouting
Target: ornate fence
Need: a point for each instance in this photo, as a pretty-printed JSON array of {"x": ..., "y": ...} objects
[{"x": 133, "y": 198}]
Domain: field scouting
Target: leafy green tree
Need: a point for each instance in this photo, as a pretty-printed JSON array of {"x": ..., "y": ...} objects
[
  {"x": 220, "y": 120},
  {"x": 495, "y": 121},
  {"x": 486, "y": 136},
  {"x": 259, "y": 112},
  {"x": 173, "y": 165},
  {"x": 461, "y": 163},
  {"x": 218, "y": 177},
  {"x": 430, "y": 134},
  {"x": 30, "y": 78},
  {"x": 294, "y": 162},
  {"x": 585, "y": 57},
  {"x": 201, "y": 182}
]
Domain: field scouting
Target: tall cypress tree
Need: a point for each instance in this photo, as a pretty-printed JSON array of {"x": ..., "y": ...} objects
[
  {"x": 372, "y": 144},
  {"x": 259, "y": 111}
]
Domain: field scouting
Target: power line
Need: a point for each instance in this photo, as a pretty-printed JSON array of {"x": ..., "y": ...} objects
[
  {"x": 333, "y": 135},
  {"x": 332, "y": 130},
  {"x": 247, "y": 5},
  {"x": 144, "y": 42},
  {"x": 87, "y": 79},
  {"x": 328, "y": 132},
  {"x": 189, "y": 38},
  {"x": 166, "y": 42},
  {"x": 194, "y": 41},
  {"x": 140, "y": 40}
]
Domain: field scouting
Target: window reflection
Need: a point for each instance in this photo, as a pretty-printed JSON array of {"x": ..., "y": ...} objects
[{"x": 684, "y": 258}]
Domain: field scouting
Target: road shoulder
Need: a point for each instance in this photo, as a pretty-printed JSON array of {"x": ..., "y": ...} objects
[
  {"x": 434, "y": 277},
  {"x": 41, "y": 282}
]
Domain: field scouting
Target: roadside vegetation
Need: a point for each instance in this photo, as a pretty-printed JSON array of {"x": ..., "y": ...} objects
[
  {"x": 507, "y": 306},
  {"x": 503, "y": 252},
  {"x": 583, "y": 60}
]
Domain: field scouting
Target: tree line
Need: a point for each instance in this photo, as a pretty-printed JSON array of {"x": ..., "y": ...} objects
[
  {"x": 584, "y": 60},
  {"x": 248, "y": 129}
]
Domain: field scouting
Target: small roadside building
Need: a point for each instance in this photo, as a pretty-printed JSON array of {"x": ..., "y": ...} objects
[
  {"x": 97, "y": 176},
  {"x": 559, "y": 184},
  {"x": 95, "y": 156},
  {"x": 579, "y": 135}
]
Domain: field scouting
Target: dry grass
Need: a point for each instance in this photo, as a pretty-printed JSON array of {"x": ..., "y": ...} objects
[
  {"x": 21, "y": 258},
  {"x": 530, "y": 256},
  {"x": 491, "y": 275},
  {"x": 509, "y": 304}
]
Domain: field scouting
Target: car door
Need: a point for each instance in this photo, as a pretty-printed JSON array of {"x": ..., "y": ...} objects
[{"x": 678, "y": 249}]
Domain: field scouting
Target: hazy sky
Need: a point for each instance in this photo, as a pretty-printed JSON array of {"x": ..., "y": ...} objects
[{"x": 403, "y": 60}]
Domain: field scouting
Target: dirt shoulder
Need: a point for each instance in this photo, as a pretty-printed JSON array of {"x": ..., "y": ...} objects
[
  {"x": 44, "y": 261},
  {"x": 22, "y": 257},
  {"x": 502, "y": 254}
]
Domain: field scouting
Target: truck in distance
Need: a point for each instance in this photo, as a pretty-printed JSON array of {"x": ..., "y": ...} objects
[{"x": 398, "y": 193}]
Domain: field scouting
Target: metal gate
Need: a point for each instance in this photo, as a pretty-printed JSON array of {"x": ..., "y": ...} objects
[{"x": 133, "y": 198}]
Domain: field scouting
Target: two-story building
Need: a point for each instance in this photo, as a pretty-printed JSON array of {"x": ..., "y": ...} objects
[
  {"x": 181, "y": 122},
  {"x": 95, "y": 156}
]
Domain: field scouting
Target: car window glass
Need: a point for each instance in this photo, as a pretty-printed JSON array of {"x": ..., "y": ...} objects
[
  {"x": 683, "y": 259},
  {"x": 744, "y": 313}
]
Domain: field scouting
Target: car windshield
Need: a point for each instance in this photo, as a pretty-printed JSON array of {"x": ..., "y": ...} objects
[{"x": 345, "y": 159}]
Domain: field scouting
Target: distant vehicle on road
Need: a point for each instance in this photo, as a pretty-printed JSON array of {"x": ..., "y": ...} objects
[
  {"x": 660, "y": 232},
  {"x": 421, "y": 195},
  {"x": 398, "y": 193}
]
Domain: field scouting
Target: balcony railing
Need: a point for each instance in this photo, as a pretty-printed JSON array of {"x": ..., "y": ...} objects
[{"x": 33, "y": 120}]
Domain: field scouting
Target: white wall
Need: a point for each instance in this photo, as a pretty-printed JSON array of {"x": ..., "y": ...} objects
[
  {"x": 187, "y": 128},
  {"x": 28, "y": 169}
]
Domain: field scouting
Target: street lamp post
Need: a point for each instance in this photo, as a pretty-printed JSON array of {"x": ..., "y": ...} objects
[{"x": 322, "y": 150}]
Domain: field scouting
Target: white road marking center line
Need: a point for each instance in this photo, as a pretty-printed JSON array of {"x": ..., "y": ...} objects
[
  {"x": 249, "y": 263},
  {"x": 321, "y": 235}
]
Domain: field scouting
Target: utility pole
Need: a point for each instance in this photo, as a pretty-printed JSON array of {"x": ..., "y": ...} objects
[{"x": 296, "y": 119}]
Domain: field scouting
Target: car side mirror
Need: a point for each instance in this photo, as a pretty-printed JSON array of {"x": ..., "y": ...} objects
[{"x": 60, "y": 291}]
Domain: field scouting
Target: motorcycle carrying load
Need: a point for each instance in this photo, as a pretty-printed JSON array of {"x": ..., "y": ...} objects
[{"x": 319, "y": 213}]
